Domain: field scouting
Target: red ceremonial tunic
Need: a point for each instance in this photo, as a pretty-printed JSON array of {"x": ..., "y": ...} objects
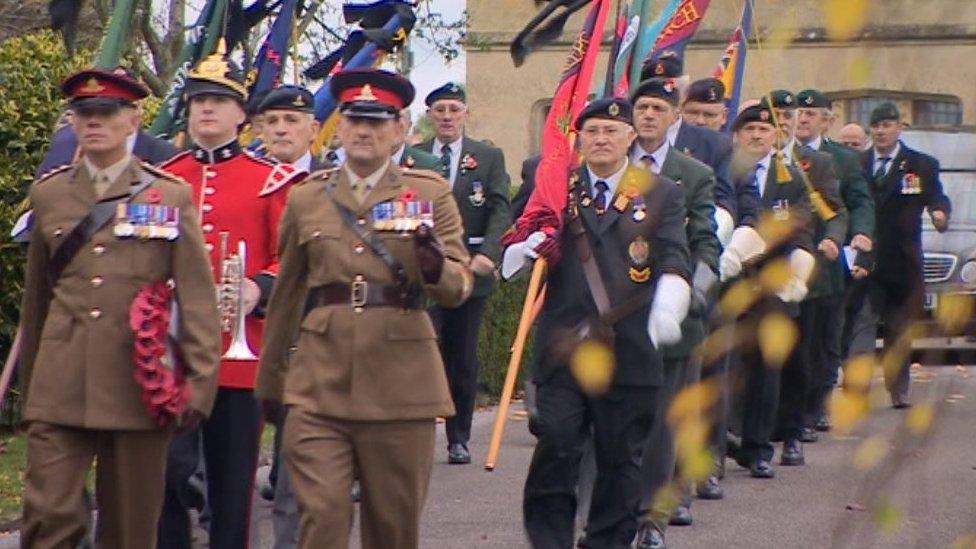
[{"x": 245, "y": 196}]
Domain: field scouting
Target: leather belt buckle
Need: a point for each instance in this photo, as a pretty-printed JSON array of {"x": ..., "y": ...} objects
[{"x": 358, "y": 293}]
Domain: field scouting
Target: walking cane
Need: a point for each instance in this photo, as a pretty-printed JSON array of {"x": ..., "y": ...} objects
[
  {"x": 529, "y": 309},
  {"x": 8, "y": 368}
]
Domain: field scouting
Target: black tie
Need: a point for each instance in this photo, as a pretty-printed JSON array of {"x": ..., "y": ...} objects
[
  {"x": 880, "y": 172},
  {"x": 446, "y": 162},
  {"x": 600, "y": 189}
]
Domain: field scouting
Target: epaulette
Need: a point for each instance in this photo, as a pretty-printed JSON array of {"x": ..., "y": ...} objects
[
  {"x": 281, "y": 175},
  {"x": 324, "y": 174},
  {"x": 426, "y": 174},
  {"x": 52, "y": 172},
  {"x": 163, "y": 174},
  {"x": 174, "y": 159}
]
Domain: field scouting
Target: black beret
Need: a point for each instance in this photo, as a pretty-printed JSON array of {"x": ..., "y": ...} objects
[
  {"x": 371, "y": 93},
  {"x": 782, "y": 99},
  {"x": 754, "y": 113},
  {"x": 885, "y": 111},
  {"x": 216, "y": 75},
  {"x": 607, "y": 108},
  {"x": 666, "y": 65},
  {"x": 706, "y": 90},
  {"x": 812, "y": 99},
  {"x": 662, "y": 88},
  {"x": 288, "y": 98},
  {"x": 450, "y": 90}
]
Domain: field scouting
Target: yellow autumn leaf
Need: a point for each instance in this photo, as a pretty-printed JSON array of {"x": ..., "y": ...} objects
[
  {"x": 592, "y": 365},
  {"x": 843, "y": 18},
  {"x": 847, "y": 408},
  {"x": 738, "y": 298},
  {"x": 919, "y": 418},
  {"x": 773, "y": 229},
  {"x": 777, "y": 335},
  {"x": 779, "y": 37},
  {"x": 870, "y": 452},
  {"x": 696, "y": 466},
  {"x": 774, "y": 276},
  {"x": 954, "y": 311},
  {"x": 859, "y": 71},
  {"x": 858, "y": 371},
  {"x": 691, "y": 436},
  {"x": 692, "y": 401},
  {"x": 887, "y": 517}
]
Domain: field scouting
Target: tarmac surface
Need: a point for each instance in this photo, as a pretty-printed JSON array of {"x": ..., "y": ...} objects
[{"x": 929, "y": 502}]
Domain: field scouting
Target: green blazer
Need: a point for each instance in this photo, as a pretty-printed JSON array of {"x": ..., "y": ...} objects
[
  {"x": 822, "y": 174},
  {"x": 419, "y": 159},
  {"x": 697, "y": 181},
  {"x": 482, "y": 195}
]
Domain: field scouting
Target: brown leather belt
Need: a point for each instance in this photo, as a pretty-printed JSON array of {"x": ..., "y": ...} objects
[{"x": 361, "y": 293}]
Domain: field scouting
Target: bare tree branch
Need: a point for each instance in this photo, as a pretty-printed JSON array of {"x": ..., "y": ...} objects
[{"x": 159, "y": 54}]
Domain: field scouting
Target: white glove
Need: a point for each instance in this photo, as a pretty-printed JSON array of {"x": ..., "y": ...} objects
[
  {"x": 517, "y": 256},
  {"x": 802, "y": 264},
  {"x": 744, "y": 244},
  {"x": 671, "y": 299},
  {"x": 724, "y": 225}
]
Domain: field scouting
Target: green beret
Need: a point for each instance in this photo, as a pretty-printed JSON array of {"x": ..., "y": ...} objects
[
  {"x": 782, "y": 99},
  {"x": 885, "y": 111},
  {"x": 812, "y": 99},
  {"x": 450, "y": 90}
]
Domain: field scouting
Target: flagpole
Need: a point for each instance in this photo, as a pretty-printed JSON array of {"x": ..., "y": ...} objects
[
  {"x": 518, "y": 348},
  {"x": 116, "y": 36}
]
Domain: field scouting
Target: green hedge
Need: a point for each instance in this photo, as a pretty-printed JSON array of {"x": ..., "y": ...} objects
[{"x": 502, "y": 314}]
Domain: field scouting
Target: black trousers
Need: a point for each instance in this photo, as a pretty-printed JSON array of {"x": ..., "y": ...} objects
[
  {"x": 620, "y": 421},
  {"x": 795, "y": 379},
  {"x": 458, "y": 329},
  {"x": 759, "y": 384},
  {"x": 230, "y": 439},
  {"x": 898, "y": 301},
  {"x": 823, "y": 355}
]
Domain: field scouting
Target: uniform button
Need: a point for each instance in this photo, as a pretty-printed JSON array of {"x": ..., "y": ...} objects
[
  {"x": 359, "y": 248},
  {"x": 95, "y": 314},
  {"x": 58, "y": 232},
  {"x": 209, "y": 191},
  {"x": 361, "y": 221},
  {"x": 210, "y": 174},
  {"x": 209, "y": 247},
  {"x": 317, "y": 234},
  {"x": 208, "y": 207},
  {"x": 97, "y": 281},
  {"x": 208, "y": 227},
  {"x": 98, "y": 249}
]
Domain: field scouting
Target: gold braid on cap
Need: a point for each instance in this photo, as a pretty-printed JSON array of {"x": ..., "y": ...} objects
[{"x": 214, "y": 68}]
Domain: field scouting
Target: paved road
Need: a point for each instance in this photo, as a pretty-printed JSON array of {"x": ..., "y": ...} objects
[{"x": 934, "y": 495}]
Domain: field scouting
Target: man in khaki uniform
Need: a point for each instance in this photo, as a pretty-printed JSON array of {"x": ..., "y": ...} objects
[
  {"x": 365, "y": 381},
  {"x": 79, "y": 356}
]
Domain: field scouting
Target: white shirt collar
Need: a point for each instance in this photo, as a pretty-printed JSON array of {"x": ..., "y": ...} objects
[
  {"x": 304, "y": 162},
  {"x": 815, "y": 143},
  {"x": 673, "y": 131},
  {"x": 892, "y": 155},
  {"x": 112, "y": 172},
  {"x": 398, "y": 155},
  {"x": 638, "y": 153},
  {"x": 762, "y": 171},
  {"x": 130, "y": 142},
  {"x": 611, "y": 181},
  {"x": 371, "y": 179},
  {"x": 455, "y": 155},
  {"x": 788, "y": 150}
]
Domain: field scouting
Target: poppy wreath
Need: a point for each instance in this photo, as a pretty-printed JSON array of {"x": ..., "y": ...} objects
[{"x": 164, "y": 392}]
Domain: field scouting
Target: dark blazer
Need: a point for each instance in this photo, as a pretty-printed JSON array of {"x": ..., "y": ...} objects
[
  {"x": 419, "y": 159},
  {"x": 485, "y": 216},
  {"x": 529, "y": 165},
  {"x": 794, "y": 196},
  {"x": 713, "y": 149},
  {"x": 63, "y": 146},
  {"x": 612, "y": 237},
  {"x": 898, "y": 207}
]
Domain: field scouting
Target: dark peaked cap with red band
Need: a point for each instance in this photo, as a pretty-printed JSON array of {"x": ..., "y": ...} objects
[
  {"x": 103, "y": 90},
  {"x": 371, "y": 93}
]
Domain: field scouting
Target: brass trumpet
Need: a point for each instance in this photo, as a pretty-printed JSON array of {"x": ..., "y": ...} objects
[{"x": 230, "y": 297}]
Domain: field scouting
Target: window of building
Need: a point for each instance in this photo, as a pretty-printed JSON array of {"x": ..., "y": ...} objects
[
  {"x": 918, "y": 109},
  {"x": 936, "y": 113},
  {"x": 859, "y": 109}
]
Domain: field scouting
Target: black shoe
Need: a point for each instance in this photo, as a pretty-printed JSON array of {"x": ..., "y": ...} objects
[
  {"x": 681, "y": 516},
  {"x": 710, "y": 488},
  {"x": 457, "y": 454},
  {"x": 648, "y": 537},
  {"x": 733, "y": 445},
  {"x": 823, "y": 424},
  {"x": 761, "y": 469},
  {"x": 792, "y": 453},
  {"x": 808, "y": 435},
  {"x": 899, "y": 402}
]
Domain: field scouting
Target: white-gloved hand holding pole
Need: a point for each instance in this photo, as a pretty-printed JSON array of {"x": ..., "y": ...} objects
[
  {"x": 744, "y": 244},
  {"x": 724, "y": 224},
  {"x": 517, "y": 256},
  {"x": 669, "y": 308},
  {"x": 802, "y": 264}
]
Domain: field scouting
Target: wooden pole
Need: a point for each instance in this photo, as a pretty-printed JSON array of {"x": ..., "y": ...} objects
[
  {"x": 518, "y": 347},
  {"x": 8, "y": 368}
]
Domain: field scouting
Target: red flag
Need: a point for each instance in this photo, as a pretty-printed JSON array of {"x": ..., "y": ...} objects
[
  {"x": 680, "y": 28},
  {"x": 544, "y": 209}
]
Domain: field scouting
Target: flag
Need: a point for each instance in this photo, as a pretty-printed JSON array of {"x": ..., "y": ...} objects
[
  {"x": 116, "y": 37},
  {"x": 544, "y": 209},
  {"x": 265, "y": 72},
  {"x": 619, "y": 35},
  {"x": 733, "y": 63},
  {"x": 536, "y": 34},
  {"x": 64, "y": 18},
  {"x": 621, "y": 75},
  {"x": 648, "y": 36},
  {"x": 680, "y": 28},
  {"x": 201, "y": 41}
]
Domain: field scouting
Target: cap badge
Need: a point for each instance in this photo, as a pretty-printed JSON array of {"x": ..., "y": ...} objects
[
  {"x": 213, "y": 67},
  {"x": 764, "y": 115},
  {"x": 809, "y": 100},
  {"x": 659, "y": 69},
  {"x": 298, "y": 102},
  {"x": 711, "y": 95},
  {"x": 365, "y": 94},
  {"x": 668, "y": 85},
  {"x": 613, "y": 109},
  {"x": 788, "y": 100},
  {"x": 92, "y": 86}
]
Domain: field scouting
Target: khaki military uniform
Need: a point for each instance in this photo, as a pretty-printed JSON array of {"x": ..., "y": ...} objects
[
  {"x": 363, "y": 385},
  {"x": 77, "y": 362}
]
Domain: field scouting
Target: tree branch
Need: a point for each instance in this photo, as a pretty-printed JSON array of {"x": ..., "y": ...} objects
[
  {"x": 159, "y": 54},
  {"x": 176, "y": 32}
]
